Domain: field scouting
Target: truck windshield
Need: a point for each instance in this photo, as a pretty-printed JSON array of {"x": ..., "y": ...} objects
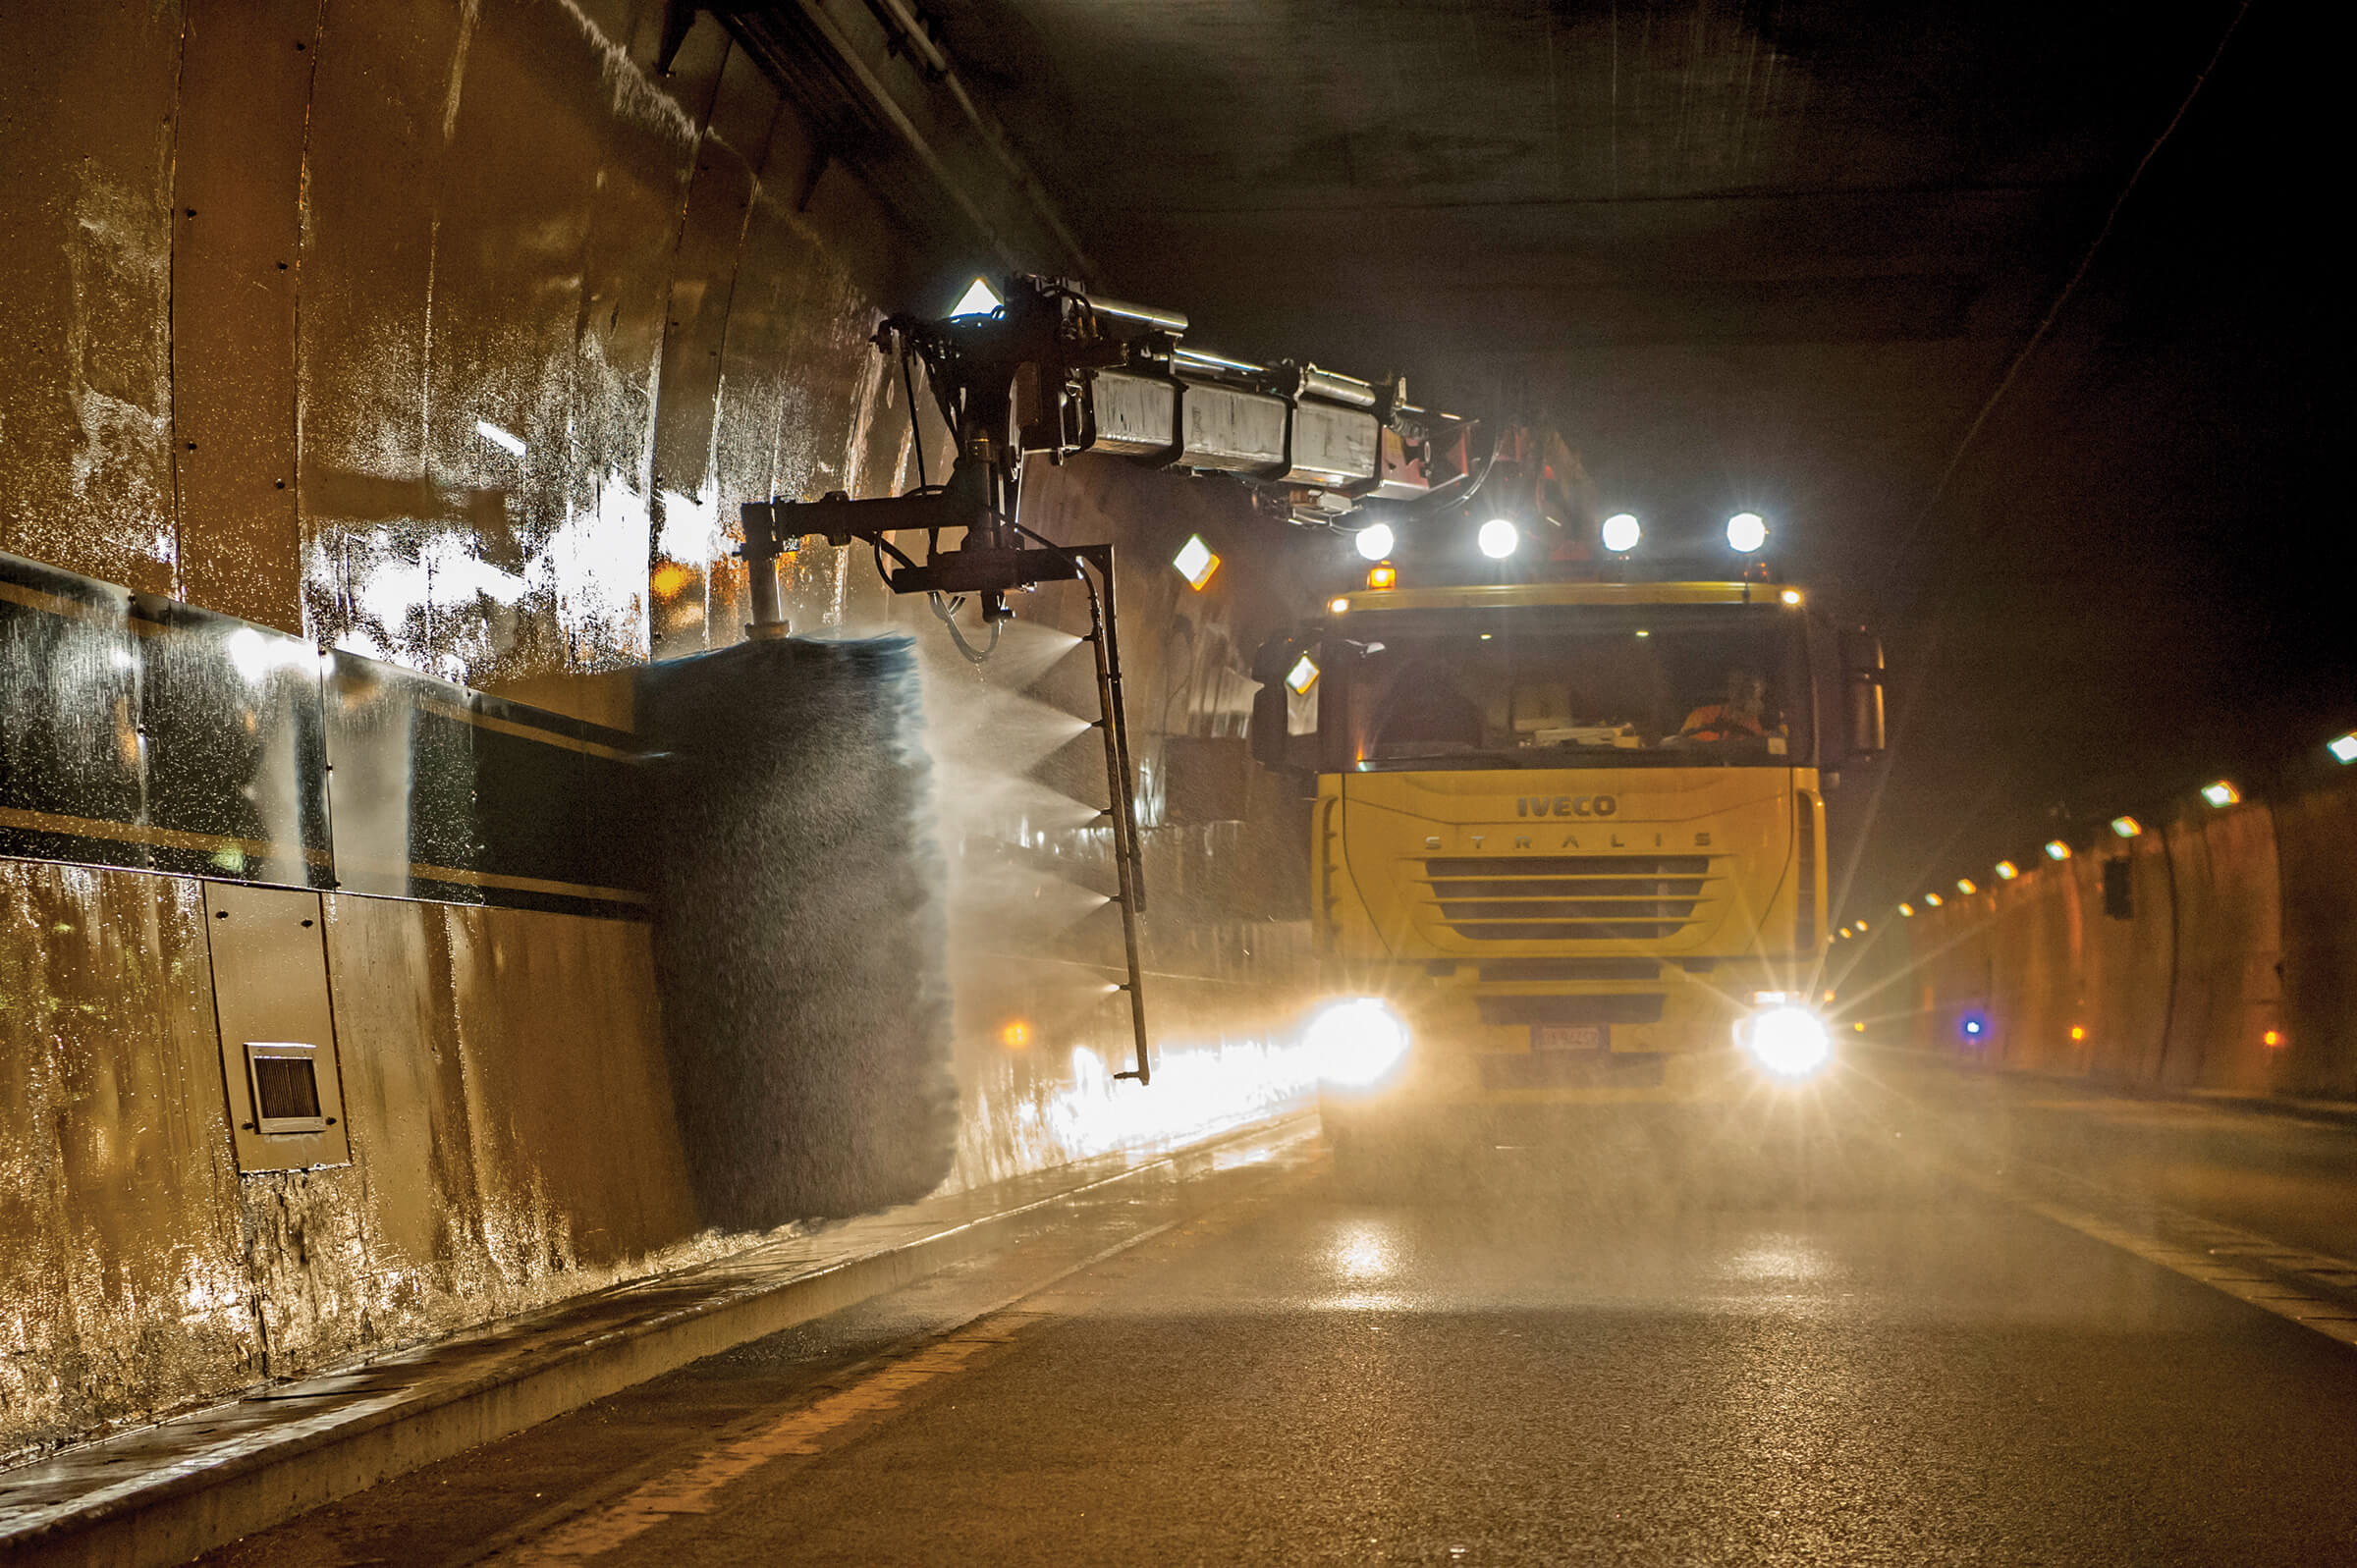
[{"x": 1576, "y": 686}]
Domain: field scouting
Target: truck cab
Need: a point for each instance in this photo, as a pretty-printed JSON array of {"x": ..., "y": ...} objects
[{"x": 1569, "y": 839}]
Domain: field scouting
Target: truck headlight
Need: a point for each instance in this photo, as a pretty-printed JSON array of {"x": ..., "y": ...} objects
[
  {"x": 1790, "y": 1042},
  {"x": 1357, "y": 1041}
]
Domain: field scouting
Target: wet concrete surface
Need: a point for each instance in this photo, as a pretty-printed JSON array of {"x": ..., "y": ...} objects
[{"x": 1262, "y": 1367}]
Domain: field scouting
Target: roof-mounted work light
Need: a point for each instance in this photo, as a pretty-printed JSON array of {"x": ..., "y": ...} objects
[
  {"x": 1746, "y": 531},
  {"x": 1375, "y": 541},
  {"x": 1622, "y": 532},
  {"x": 1499, "y": 538}
]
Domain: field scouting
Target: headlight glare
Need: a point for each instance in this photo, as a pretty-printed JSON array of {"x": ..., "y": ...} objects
[
  {"x": 1790, "y": 1042},
  {"x": 1357, "y": 1041}
]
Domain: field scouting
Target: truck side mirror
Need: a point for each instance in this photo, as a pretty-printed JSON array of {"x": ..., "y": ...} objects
[
  {"x": 1266, "y": 730},
  {"x": 1862, "y": 687},
  {"x": 1269, "y": 733}
]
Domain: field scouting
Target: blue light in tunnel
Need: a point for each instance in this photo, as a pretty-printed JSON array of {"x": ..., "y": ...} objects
[{"x": 1975, "y": 1025}]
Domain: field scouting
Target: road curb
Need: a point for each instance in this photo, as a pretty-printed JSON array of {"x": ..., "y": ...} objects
[{"x": 271, "y": 1468}]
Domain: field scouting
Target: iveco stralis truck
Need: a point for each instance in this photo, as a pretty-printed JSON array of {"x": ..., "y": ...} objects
[{"x": 1568, "y": 840}]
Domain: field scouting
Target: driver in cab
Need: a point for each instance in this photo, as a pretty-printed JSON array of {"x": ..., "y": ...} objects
[{"x": 1742, "y": 717}]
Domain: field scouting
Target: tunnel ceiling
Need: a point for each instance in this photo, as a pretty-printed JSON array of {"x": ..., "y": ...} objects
[{"x": 1783, "y": 255}]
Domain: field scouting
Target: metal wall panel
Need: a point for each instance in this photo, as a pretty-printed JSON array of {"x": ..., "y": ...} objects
[
  {"x": 147, "y": 734},
  {"x": 269, "y": 959},
  {"x": 123, "y": 1279},
  {"x": 88, "y": 97},
  {"x": 245, "y": 102}
]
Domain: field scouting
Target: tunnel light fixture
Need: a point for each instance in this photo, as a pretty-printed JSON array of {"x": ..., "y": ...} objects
[
  {"x": 2127, "y": 827},
  {"x": 1499, "y": 538},
  {"x": 2056, "y": 849},
  {"x": 1195, "y": 562},
  {"x": 1906, "y": 911},
  {"x": 2220, "y": 793},
  {"x": 1843, "y": 933},
  {"x": 1621, "y": 531},
  {"x": 2343, "y": 749},
  {"x": 506, "y": 441},
  {"x": 1746, "y": 531},
  {"x": 1863, "y": 926},
  {"x": 979, "y": 299},
  {"x": 1303, "y": 675},
  {"x": 1966, "y": 886},
  {"x": 1791, "y": 596},
  {"x": 1374, "y": 541},
  {"x": 1383, "y": 578},
  {"x": 1014, "y": 1034},
  {"x": 2006, "y": 871},
  {"x": 1932, "y": 899}
]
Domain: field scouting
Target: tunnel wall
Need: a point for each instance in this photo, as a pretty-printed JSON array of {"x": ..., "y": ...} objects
[
  {"x": 2242, "y": 923},
  {"x": 381, "y": 384}
]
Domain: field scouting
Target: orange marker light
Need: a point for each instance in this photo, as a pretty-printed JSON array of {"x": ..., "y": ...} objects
[
  {"x": 1380, "y": 577},
  {"x": 669, "y": 578},
  {"x": 2078, "y": 1032},
  {"x": 2271, "y": 1038},
  {"x": 1015, "y": 1035}
]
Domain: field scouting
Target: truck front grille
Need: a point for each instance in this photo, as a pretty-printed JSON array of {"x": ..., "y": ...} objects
[{"x": 1565, "y": 897}]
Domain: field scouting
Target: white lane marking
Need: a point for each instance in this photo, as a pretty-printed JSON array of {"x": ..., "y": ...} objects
[
  {"x": 696, "y": 1486},
  {"x": 2222, "y": 1267},
  {"x": 693, "y": 1486}
]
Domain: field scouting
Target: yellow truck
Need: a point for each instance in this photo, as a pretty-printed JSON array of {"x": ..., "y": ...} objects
[{"x": 1568, "y": 842}]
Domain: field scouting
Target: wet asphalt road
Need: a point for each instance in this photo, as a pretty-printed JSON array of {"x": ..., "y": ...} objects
[{"x": 1259, "y": 1367}]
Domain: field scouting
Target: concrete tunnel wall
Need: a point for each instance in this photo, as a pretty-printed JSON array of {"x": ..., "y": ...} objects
[
  {"x": 288, "y": 284},
  {"x": 2242, "y": 924}
]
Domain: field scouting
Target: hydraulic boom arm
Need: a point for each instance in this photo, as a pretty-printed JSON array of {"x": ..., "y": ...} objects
[{"x": 1054, "y": 371}]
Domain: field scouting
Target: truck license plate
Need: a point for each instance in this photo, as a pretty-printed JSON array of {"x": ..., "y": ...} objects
[{"x": 1567, "y": 1037}]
